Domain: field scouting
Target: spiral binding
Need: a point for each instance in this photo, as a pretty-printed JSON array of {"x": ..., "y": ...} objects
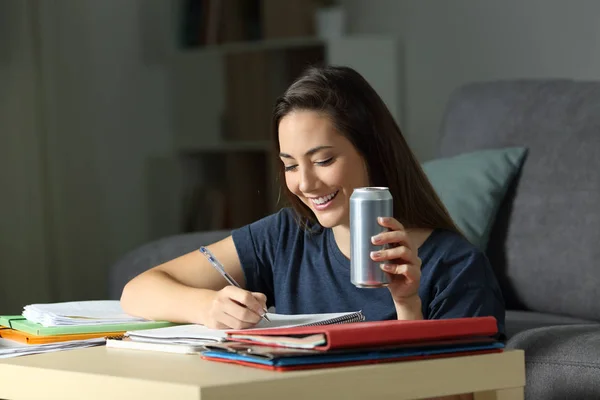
[
  {"x": 345, "y": 319},
  {"x": 115, "y": 337}
]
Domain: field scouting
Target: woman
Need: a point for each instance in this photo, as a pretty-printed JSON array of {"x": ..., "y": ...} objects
[{"x": 332, "y": 133}]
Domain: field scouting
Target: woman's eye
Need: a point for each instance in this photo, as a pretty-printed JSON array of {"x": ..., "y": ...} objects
[
  {"x": 288, "y": 168},
  {"x": 325, "y": 162}
]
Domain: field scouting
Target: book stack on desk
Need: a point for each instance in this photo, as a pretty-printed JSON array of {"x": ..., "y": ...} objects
[
  {"x": 358, "y": 343},
  {"x": 193, "y": 339},
  {"x": 61, "y": 326}
]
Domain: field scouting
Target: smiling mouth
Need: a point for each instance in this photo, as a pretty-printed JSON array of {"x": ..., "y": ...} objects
[{"x": 319, "y": 201}]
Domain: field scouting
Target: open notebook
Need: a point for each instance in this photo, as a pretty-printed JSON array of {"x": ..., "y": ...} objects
[{"x": 199, "y": 334}]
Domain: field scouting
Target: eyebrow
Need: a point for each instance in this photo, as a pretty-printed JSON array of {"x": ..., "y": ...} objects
[{"x": 308, "y": 153}]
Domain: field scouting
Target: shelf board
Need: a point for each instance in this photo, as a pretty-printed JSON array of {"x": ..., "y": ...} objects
[
  {"x": 229, "y": 147},
  {"x": 255, "y": 45}
]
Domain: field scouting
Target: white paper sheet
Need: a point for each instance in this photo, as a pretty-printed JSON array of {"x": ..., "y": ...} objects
[
  {"x": 197, "y": 334},
  {"x": 11, "y": 348},
  {"x": 92, "y": 312}
]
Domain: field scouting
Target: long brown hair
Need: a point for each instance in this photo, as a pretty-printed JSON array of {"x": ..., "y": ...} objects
[{"x": 358, "y": 113}]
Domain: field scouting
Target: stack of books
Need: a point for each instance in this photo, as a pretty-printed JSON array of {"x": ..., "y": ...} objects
[
  {"x": 194, "y": 339},
  {"x": 355, "y": 343},
  {"x": 61, "y": 326},
  {"x": 285, "y": 342}
]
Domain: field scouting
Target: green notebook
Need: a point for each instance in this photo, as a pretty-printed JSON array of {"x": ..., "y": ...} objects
[{"x": 19, "y": 323}]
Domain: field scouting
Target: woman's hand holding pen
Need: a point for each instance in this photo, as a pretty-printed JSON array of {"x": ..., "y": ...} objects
[
  {"x": 235, "y": 308},
  {"x": 403, "y": 266}
]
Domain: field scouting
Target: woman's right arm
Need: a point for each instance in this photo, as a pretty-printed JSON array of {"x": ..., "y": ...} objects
[{"x": 189, "y": 290}]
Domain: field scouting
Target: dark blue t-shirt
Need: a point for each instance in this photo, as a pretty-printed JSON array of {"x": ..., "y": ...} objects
[{"x": 304, "y": 272}]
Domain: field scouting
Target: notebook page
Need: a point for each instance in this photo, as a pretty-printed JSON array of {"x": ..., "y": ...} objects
[
  {"x": 289, "y": 321},
  {"x": 179, "y": 333},
  {"x": 192, "y": 333},
  {"x": 78, "y": 313},
  {"x": 83, "y": 309},
  {"x": 9, "y": 348},
  {"x": 127, "y": 343}
]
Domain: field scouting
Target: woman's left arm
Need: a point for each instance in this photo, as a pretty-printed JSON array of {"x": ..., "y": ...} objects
[{"x": 403, "y": 265}]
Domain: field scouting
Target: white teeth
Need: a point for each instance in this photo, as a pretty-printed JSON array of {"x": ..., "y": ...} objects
[{"x": 324, "y": 199}]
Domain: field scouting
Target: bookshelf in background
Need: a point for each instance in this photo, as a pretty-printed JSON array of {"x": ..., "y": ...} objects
[
  {"x": 216, "y": 22},
  {"x": 223, "y": 88}
]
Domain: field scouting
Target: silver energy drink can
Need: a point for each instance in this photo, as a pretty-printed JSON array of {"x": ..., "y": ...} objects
[{"x": 366, "y": 204}]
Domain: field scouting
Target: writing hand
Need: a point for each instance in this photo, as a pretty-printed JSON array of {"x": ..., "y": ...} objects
[{"x": 235, "y": 308}]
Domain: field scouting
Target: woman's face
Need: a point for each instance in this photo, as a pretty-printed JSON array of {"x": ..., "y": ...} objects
[{"x": 321, "y": 166}]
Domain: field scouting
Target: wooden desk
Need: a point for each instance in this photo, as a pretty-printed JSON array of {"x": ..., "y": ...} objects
[{"x": 107, "y": 373}]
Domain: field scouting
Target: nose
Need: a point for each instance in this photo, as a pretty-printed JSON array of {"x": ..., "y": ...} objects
[{"x": 307, "y": 180}]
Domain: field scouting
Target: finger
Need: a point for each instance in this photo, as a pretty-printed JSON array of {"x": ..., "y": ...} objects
[
  {"x": 407, "y": 270},
  {"x": 231, "y": 322},
  {"x": 246, "y": 298},
  {"x": 220, "y": 325},
  {"x": 394, "y": 253},
  {"x": 221, "y": 320},
  {"x": 391, "y": 237},
  {"x": 240, "y": 312},
  {"x": 390, "y": 222},
  {"x": 262, "y": 300}
]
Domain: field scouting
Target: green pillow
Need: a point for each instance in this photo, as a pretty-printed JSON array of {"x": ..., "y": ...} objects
[{"x": 472, "y": 186}]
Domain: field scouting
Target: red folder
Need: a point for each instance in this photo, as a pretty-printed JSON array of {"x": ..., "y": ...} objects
[{"x": 377, "y": 333}]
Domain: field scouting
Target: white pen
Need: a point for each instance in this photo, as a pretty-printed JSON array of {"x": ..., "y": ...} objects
[{"x": 219, "y": 267}]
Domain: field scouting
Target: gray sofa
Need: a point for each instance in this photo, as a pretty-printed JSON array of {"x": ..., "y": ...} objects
[{"x": 545, "y": 244}]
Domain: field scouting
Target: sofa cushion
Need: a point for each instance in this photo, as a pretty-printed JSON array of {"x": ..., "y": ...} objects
[
  {"x": 544, "y": 248},
  {"x": 561, "y": 362},
  {"x": 472, "y": 187},
  {"x": 518, "y": 321}
]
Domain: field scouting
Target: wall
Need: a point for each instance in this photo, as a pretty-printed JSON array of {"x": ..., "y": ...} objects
[
  {"x": 23, "y": 253},
  {"x": 76, "y": 139},
  {"x": 105, "y": 97},
  {"x": 449, "y": 43},
  {"x": 83, "y": 110}
]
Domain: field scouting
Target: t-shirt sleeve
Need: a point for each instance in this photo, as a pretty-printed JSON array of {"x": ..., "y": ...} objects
[
  {"x": 472, "y": 291},
  {"x": 256, "y": 246}
]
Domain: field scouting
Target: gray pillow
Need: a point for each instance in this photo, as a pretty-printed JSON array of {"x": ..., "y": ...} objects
[{"x": 472, "y": 186}]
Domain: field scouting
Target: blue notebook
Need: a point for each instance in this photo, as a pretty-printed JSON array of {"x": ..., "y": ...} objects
[{"x": 307, "y": 358}]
